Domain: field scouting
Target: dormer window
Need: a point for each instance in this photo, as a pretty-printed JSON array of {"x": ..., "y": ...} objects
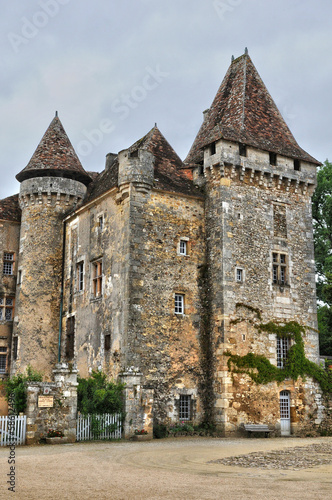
[
  {"x": 297, "y": 165},
  {"x": 273, "y": 158},
  {"x": 242, "y": 149}
]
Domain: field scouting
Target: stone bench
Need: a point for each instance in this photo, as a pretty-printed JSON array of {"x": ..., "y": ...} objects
[{"x": 250, "y": 428}]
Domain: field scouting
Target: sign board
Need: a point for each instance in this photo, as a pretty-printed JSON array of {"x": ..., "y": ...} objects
[{"x": 45, "y": 402}]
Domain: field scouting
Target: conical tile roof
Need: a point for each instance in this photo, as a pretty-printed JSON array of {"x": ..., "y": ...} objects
[
  {"x": 243, "y": 111},
  {"x": 168, "y": 167},
  {"x": 55, "y": 156}
]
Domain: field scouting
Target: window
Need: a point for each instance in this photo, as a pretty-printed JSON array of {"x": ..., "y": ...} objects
[
  {"x": 282, "y": 351},
  {"x": 212, "y": 149},
  {"x": 15, "y": 346},
  {"x": 6, "y": 308},
  {"x": 19, "y": 277},
  {"x": 3, "y": 359},
  {"x": 239, "y": 275},
  {"x": 179, "y": 303},
  {"x": 279, "y": 270},
  {"x": 297, "y": 165},
  {"x": 184, "y": 407},
  {"x": 273, "y": 158},
  {"x": 80, "y": 276},
  {"x": 97, "y": 278},
  {"x": 8, "y": 263},
  {"x": 183, "y": 247},
  {"x": 107, "y": 344},
  {"x": 242, "y": 149},
  {"x": 70, "y": 340},
  {"x": 100, "y": 223}
]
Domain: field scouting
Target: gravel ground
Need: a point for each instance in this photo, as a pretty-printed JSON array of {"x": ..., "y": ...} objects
[{"x": 177, "y": 468}]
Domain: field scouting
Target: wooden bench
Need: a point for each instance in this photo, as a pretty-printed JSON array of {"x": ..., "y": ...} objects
[{"x": 250, "y": 428}]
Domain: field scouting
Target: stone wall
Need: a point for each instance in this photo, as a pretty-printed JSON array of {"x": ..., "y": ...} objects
[{"x": 61, "y": 415}]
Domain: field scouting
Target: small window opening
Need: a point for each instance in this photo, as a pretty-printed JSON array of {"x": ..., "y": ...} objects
[
  {"x": 134, "y": 154},
  {"x": 3, "y": 359},
  {"x": 80, "y": 276},
  {"x": 107, "y": 343},
  {"x": 273, "y": 158},
  {"x": 242, "y": 149},
  {"x": 183, "y": 247},
  {"x": 212, "y": 148},
  {"x": 239, "y": 275},
  {"x": 179, "y": 303},
  {"x": 185, "y": 407},
  {"x": 15, "y": 346},
  {"x": 8, "y": 263},
  {"x": 97, "y": 279},
  {"x": 201, "y": 170},
  {"x": 297, "y": 165},
  {"x": 100, "y": 223}
]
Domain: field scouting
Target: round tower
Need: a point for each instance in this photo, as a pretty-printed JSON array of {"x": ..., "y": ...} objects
[{"x": 52, "y": 184}]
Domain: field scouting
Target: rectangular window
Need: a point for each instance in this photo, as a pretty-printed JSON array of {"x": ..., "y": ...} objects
[
  {"x": 3, "y": 359},
  {"x": 97, "y": 278},
  {"x": 15, "y": 346},
  {"x": 273, "y": 158},
  {"x": 70, "y": 340},
  {"x": 213, "y": 148},
  {"x": 80, "y": 276},
  {"x": 183, "y": 247},
  {"x": 184, "y": 407},
  {"x": 242, "y": 149},
  {"x": 179, "y": 303},
  {"x": 8, "y": 263},
  {"x": 282, "y": 351},
  {"x": 100, "y": 223},
  {"x": 107, "y": 342},
  {"x": 239, "y": 275},
  {"x": 297, "y": 165},
  {"x": 279, "y": 268},
  {"x": 6, "y": 308}
]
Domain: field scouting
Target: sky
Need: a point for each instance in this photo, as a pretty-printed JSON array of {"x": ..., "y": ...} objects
[{"x": 112, "y": 69}]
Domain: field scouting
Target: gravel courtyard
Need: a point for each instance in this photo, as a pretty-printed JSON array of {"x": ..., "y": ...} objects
[{"x": 178, "y": 468}]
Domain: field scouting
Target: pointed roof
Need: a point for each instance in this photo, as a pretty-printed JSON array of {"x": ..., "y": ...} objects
[
  {"x": 168, "y": 167},
  {"x": 55, "y": 156},
  {"x": 243, "y": 111}
]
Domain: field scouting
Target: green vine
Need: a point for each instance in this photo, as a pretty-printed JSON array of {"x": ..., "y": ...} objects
[{"x": 261, "y": 371}]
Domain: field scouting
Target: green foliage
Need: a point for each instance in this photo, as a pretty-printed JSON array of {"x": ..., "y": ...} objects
[
  {"x": 322, "y": 221},
  {"x": 261, "y": 371},
  {"x": 324, "y": 315},
  {"x": 15, "y": 388},
  {"x": 95, "y": 395},
  {"x": 159, "y": 430}
]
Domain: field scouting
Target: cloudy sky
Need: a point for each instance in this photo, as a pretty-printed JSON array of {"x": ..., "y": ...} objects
[{"x": 112, "y": 69}]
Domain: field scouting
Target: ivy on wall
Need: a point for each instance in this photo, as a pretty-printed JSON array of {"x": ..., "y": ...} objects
[{"x": 261, "y": 371}]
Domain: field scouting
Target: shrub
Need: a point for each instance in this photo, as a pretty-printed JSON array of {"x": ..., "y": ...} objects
[
  {"x": 15, "y": 388},
  {"x": 95, "y": 395}
]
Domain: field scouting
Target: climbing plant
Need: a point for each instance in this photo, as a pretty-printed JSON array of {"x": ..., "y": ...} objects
[
  {"x": 16, "y": 390},
  {"x": 261, "y": 371}
]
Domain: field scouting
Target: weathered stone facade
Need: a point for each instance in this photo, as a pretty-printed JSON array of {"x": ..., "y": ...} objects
[{"x": 157, "y": 271}]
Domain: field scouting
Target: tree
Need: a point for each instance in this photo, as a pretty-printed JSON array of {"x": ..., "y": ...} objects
[{"x": 322, "y": 221}]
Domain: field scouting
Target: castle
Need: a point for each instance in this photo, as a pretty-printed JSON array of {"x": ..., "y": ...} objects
[{"x": 170, "y": 269}]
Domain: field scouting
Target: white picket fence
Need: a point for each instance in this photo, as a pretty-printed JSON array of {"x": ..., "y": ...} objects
[
  {"x": 13, "y": 430},
  {"x": 105, "y": 426}
]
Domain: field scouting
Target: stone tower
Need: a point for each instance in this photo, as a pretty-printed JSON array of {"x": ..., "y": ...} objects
[
  {"x": 258, "y": 184},
  {"x": 52, "y": 184}
]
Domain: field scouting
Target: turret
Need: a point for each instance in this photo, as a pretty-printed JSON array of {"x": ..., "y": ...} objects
[{"x": 52, "y": 184}]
